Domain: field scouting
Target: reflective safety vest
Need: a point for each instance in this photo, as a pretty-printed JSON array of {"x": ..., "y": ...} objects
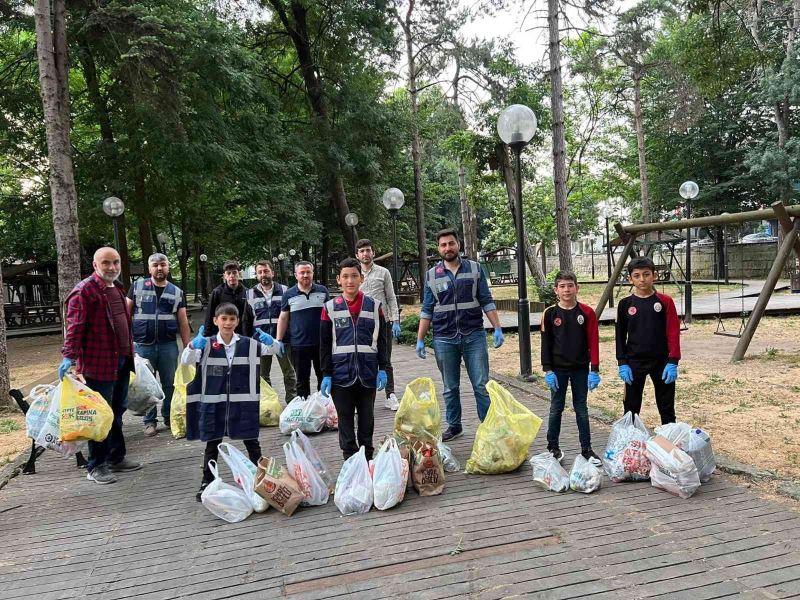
[
  {"x": 223, "y": 400},
  {"x": 457, "y": 310},
  {"x": 265, "y": 312},
  {"x": 155, "y": 320},
  {"x": 355, "y": 342}
]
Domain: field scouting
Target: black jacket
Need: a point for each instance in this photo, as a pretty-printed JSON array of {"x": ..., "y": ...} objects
[{"x": 220, "y": 294}]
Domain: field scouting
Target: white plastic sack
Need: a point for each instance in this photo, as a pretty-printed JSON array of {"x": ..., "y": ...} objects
[
  {"x": 584, "y": 477},
  {"x": 306, "y": 415},
  {"x": 353, "y": 493},
  {"x": 307, "y": 474},
  {"x": 332, "y": 420},
  {"x": 39, "y": 408},
  {"x": 389, "y": 476},
  {"x": 625, "y": 457},
  {"x": 144, "y": 391},
  {"x": 244, "y": 474},
  {"x": 548, "y": 472},
  {"x": 698, "y": 446},
  {"x": 672, "y": 470},
  {"x": 678, "y": 433},
  {"x": 49, "y": 436},
  {"x": 225, "y": 501},
  {"x": 449, "y": 461}
]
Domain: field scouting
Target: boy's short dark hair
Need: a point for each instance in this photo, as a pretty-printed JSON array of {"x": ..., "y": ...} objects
[
  {"x": 566, "y": 276},
  {"x": 641, "y": 262},
  {"x": 445, "y": 232},
  {"x": 230, "y": 265},
  {"x": 348, "y": 263},
  {"x": 227, "y": 308},
  {"x": 265, "y": 263},
  {"x": 364, "y": 243}
]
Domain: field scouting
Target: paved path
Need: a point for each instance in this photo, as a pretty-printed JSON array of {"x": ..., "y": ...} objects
[{"x": 146, "y": 537}]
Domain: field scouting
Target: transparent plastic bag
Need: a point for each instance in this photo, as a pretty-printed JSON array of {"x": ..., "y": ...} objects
[
  {"x": 584, "y": 476},
  {"x": 49, "y": 433},
  {"x": 225, "y": 501},
  {"x": 144, "y": 391},
  {"x": 678, "y": 433},
  {"x": 244, "y": 474},
  {"x": 698, "y": 446},
  {"x": 625, "y": 458},
  {"x": 390, "y": 474},
  {"x": 184, "y": 374},
  {"x": 306, "y": 415},
  {"x": 332, "y": 420},
  {"x": 353, "y": 493},
  {"x": 418, "y": 414},
  {"x": 269, "y": 406},
  {"x": 451, "y": 464},
  {"x": 549, "y": 473},
  {"x": 671, "y": 468},
  {"x": 39, "y": 409},
  {"x": 307, "y": 474}
]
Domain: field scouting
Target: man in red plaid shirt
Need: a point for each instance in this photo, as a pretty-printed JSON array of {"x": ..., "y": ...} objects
[{"x": 98, "y": 338}]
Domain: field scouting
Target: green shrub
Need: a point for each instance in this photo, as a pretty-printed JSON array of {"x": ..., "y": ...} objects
[
  {"x": 408, "y": 331},
  {"x": 9, "y": 425}
]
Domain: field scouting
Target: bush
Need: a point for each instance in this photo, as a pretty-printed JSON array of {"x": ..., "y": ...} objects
[{"x": 408, "y": 331}]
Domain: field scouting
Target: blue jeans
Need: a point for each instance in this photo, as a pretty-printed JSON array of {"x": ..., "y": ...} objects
[
  {"x": 112, "y": 449},
  {"x": 449, "y": 352},
  {"x": 163, "y": 357},
  {"x": 578, "y": 379}
]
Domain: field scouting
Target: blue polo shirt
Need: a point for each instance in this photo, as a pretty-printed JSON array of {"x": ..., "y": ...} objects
[{"x": 304, "y": 313}]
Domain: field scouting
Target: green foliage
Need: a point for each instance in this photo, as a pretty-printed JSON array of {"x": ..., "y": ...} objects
[
  {"x": 408, "y": 331},
  {"x": 9, "y": 425}
]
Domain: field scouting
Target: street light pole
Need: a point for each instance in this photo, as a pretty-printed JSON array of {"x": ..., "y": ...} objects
[
  {"x": 393, "y": 201},
  {"x": 688, "y": 191},
  {"x": 608, "y": 261}
]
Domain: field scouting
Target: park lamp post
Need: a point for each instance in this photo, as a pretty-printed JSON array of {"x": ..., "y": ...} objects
[
  {"x": 280, "y": 264},
  {"x": 114, "y": 207},
  {"x": 688, "y": 191},
  {"x": 162, "y": 239},
  {"x": 516, "y": 126},
  {"x": 393, "y": 201},
  {"x": 204, "y": 275},
  {"x": 351, "y": 220}
]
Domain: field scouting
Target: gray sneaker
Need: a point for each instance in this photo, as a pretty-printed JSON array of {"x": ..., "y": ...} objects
[
  {"x": 101, "y": 475},
  {"x": 124, "y": 465},
  {"x": 150, "y": 429}
]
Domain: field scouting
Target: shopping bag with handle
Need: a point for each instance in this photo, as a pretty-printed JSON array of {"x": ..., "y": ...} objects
[{"x": 85, "y": 414}]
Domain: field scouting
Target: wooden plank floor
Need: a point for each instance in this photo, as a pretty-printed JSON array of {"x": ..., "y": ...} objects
[{"x": 146, "y": 536}]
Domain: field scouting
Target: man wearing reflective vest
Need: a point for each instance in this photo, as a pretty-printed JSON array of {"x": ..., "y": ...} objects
[
  {"x": 158, "y": 310},
  {"x": 264, "y": 308},
  {"x": 456, "y": 297},
  {"x": 353, "y": 353}
]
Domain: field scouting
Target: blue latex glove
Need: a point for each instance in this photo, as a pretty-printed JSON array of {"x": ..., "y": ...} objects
[
  {"x": 382, "y": 378},
  {"x": 498, "y": 337},
  {"x": 594, "y": 380},
  {"x": 325, "y": 386},
  {"x": 200, "y": 341},
  {"x": 670, "y": 373},
  {"x": 420, "y": 349},
  {"x": 396, "y": 330},
  {"x": 64, "y": 367},
  {"x": 551, "y": 380},
  {"x": 265, "y": 338},
  {"x": 626, "y": 374},
  {"x": 281, "y": 349}
]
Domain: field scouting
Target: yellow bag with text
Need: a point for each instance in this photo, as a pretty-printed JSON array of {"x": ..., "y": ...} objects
[
  {"x": 269, "y": 406},
  {"x": 503, "y": 439},
  {"x": 85, "y": 414},
  {"x": 184, "y": 375},
  {"x": 418, "y": 414}
]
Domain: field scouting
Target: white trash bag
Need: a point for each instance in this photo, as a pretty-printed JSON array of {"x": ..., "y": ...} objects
[
  {"x": 332, "y": 420},
  {"x": 244, "y": 474},
  {"x": 698, "y": 446},
  {"x": 678, "y": 433},
  {"x": 353, "y": 493},
  {"x": 309, "y": 472},
  {"x": 306, "y": 415},
  {"x": 49, "y": 434},
  {"x": 144, "y": 391},
  {"x": 671, "y": 468},
  {"x": 625, "y": 458},
  {"x": 389, "y": 476},
  {"x": 585, "y": 477},
  {"x": 39, "y": 408},
  {"x": 225, "y": 501},
  {"x": 548, "y": 472},
  {"x": 451, "y": 464}
]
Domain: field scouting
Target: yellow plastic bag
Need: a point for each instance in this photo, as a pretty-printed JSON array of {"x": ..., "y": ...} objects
[
  {"x": 269, "y": 407},
  {"x": 85, "y": 414},
  {"x": 418, "y": 414},
  {"x": 184, "y": 375},
  {"x": 503, "y": 439}
]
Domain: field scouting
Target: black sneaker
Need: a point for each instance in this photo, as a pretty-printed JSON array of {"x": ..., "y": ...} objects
[
  {"x": 452, "y": 433},
  {"x": 203, "y": 486},
  {"x": 557, "y": 453},
  {"x": 589, "y": 455}
]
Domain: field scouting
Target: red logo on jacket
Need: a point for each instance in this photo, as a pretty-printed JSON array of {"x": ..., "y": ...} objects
[
  {"x": 439, "y": 270},
  {"x": 632, "y": 310},
  {"x": 148, "y": 283},
  {"x": 339, "y": 300},
  {"x": 557, "y": 321},
  {"x": 216, "y": 345}
]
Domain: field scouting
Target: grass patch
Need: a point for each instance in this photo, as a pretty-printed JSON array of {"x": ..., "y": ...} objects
[{"x": 9, "y": 425}]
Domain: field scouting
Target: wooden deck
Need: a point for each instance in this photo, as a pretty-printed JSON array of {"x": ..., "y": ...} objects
[{"x": 146, "y": 536}]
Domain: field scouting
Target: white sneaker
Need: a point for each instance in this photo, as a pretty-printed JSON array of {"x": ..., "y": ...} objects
[{"x": 391, "y": 402}]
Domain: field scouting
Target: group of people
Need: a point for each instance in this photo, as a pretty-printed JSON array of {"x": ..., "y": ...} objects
[{"x": 346, "y": 340}]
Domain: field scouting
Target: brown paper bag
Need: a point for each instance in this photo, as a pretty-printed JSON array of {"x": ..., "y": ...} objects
[
  {"x": 427, "y": 471},
  {"x": 276, "y": 486}
]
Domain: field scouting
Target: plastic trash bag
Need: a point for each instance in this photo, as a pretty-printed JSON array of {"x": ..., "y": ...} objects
[
  {"x": 307, "y": 469},
  {"x": 353, "y": 493},
  {"x": 584, "y": 476},
  {"x": 144, "y": 391},
  {"x": 549, "y": 473},
  {"x": 50, "y": 428},
  {"x": 85, "y": 414},
  {"x": 671, "y": 468},
  {"x": 625, "y": 458},
  {"x": 244, "y": 474},
  {"x": 225, "y": 501},
  {"x": 698, "y": 446},
  {"x": 451, "y": 465},
  {"x": 269, "y": 406},
  {"x": 503, "y": 439},
  {"x": 184, "y": 374},
  {"x": 418, "y": 414},
  {"x": 332, "y": 420},
  {"x": 427, "y": 471},
  {"x": 678, "y": 433},
  {"x": 276, "y": 486},
  {"x": 306, "y": 415},
  {"x": 39, "y": 409},
  {"x": 390, "y": 474}
]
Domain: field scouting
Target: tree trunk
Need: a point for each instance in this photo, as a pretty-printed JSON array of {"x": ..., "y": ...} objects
[
  {"x": 559, "y": 143},
  {"x": 196, "y": 270},
  {"x": 638, "y": 121},
  {"x": 51, "y": 50},
  {"x": 467, "y": 218},
  {"x": 140, "y": 210},
  {"x": 324, "y": 264},
  {"x": 5, "y": 373}
]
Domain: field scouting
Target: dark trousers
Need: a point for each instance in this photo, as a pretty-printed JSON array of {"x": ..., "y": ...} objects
[
  {"x": 302, "y": 359},
  {"x": 389, "y": 368},
  {"x": 212, "y": 453},
  {"x": 665, "y": 393},
  {"x": 112, "y": 449},
  {"x": 351, "y": 402},
  {"x": 578, "y": 380}
]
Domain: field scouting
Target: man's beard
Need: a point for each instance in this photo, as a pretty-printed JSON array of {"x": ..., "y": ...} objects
[
  {"x": 450, "y": 256},
  {"x": 160, "y": 276},
  {"x": 266, "y": 281},
  {"x": 109, "y": 278}
]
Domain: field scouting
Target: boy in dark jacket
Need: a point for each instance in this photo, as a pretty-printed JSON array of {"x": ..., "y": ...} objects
[
  {"x": 648, "y": 341},
  {"x": 230, "y": 290},
  {"x": 570, "y": 355},
  {"x": 223, "y": 398}
]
